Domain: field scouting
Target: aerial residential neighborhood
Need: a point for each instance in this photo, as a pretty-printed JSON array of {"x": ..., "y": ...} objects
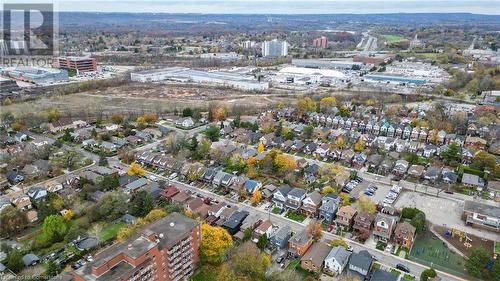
[{"x": 251, "y": 141}]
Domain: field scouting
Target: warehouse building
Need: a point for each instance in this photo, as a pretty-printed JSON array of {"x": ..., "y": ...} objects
[
  {"x": 37, "y": 75},
  {"x": 327, "y": 64},
  {"x": 217, "y": 78},
  {"x": 308, "y": 76}
]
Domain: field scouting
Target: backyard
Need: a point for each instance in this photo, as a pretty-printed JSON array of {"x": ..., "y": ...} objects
[
  {"x": 464, "y": 242},
  {"x": 429, "y": 249}
]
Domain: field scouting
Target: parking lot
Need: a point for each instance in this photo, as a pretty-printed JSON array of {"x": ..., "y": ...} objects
[{"x": 377, "y": 196}]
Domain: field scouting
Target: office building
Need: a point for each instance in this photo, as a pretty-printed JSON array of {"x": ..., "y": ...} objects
[
  {"x": 248, "y": 44},
  {"x": 166, "y": 250},
  {"x": 321, "y": 42},
  {"x": 274, "y": 48},
  {"x": 79, "y": 64}
]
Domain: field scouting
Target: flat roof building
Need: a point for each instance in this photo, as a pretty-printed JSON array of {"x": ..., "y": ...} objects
[
  {"x": 218, "y": 78},
  {"x": 37, "y": 75},
  {"x": 481, "y": 215},
  {"x": 79, "y": 64},
  {"x": 274, "y": 48},
  {"x": 165, "y": 250}
]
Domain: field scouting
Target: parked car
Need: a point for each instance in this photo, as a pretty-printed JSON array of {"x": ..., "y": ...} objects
[
  {"x": 281, "y": 258},
  {"x": 402, "y": 267}
]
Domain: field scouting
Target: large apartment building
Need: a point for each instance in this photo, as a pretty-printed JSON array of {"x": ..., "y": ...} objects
[
  {"x": 80, "y": 64},
  {"x": 166, "y": 250}
]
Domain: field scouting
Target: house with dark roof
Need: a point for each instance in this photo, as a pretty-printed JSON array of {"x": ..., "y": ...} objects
[
  {"x": 345, "y": 216},
  {"x": 299, "y": 243},
  {"x": 313, "y": 259},
  {"x": 30, "y": 259},
  {"x": 478, "y": 214},
  {"x": 311, "y": 204},
  {"x": 363, "y": 221},
  {"x": 294, "y": 198},
  {"x": 280, "y": 196},
  {"x": 404, "y": 234},
  {"x": 37, "y": 193},
  {"x": 329, "y": 207},
  {"x": 384, "y": 226},
  {"x": 233, "y": 223},
  {"x": 360, "y": 264},
  {"x": 251, "y": 186},
  {"x": 382, "y": 275},
  {"x": 280, "y": 238}
]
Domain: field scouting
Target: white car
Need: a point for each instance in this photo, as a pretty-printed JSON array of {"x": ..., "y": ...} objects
[{"x": 173, "y": 176}]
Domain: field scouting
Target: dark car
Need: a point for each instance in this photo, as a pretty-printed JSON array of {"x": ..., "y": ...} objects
[
  {"x": 280, "y": 259},
  {"x": 402, "y": 267}
]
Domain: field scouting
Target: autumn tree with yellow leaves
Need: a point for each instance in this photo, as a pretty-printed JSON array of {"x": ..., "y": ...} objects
[
  {"x": 364, "y": 204},
  {"x": 260, "y": 148},
  {"x": 256, "y": 197},
  {"x": 306, "y": 105},
  {"x": 136, "y": 169},
  {"x": 359, "y": 146},
  {"x": 340, "y": 142},
  {"x": 215, "y": 242}
]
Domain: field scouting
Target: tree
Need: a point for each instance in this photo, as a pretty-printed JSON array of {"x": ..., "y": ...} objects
[
  {"x": 340, "y": 142},
  {"x": 477, "y": 261},
  {"x": 418, "y": 221},
  {"x": 14, "y": 261},
  {"x": 111, "y": 207},
  {"x": 247, "y": 234},
  {"x": 155, "y": 215},
  {"x": 364, "y": 204},
  {"x": 12, "y": 221},
  {"x": 54, "y": 228},
  {"x": 359, "y": 145},
  {"x": 306, "y": 105},
  {"x": 141, "y": 121},
  {"x": 484, "y": 160},
  {"x": 428, "y": 273},
  {"x": 284, "y": 163},
  {"x": 220, "y": 114},
  {"x": 187, "y": 112},
  {"x": 212, "y": 133},
  {"x": 68, "y": 215},
  {"x": 345, "y": 199},
  {"x": 344, "y": 111},
  {"x": 262, "y": 242},
  {"x": 308, "y": 131},
  {"x": 451, "y": 155},
  {"x": 215, "y": 242},
  {"x": 52, "y": 269},
  {"x": 117, "y": 118},
  {"x": 7, "y": 101},
  {"x": 260, "y": 147},
  {"x": 141, "y": 204},
  {"x": 256, "y": 197},
  {"x": 125, "y": 233},
  {"x": 136, "y": 169},
  {"x": 103, "y": 161},
  {"x": 247, "y": 262},
  {"x": 108, "y": 182},
  {"x": 203, "y": 149},
  {"x": 314, "y": 229},
  {"x": 327, "y": 103},
  {"x": 266, "y": 261},
  {"x": 327, "y": 189},
  {"x": 339, "y": 242}
]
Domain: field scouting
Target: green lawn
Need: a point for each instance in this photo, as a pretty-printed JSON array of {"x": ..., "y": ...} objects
[
  {"x": 110, "y": 231},
  {"x": 292, "y": 265},
  {"x": 276, "y": 210},
  {"x": 409, "y": 277},
  {"x": 497, "y": 247},
  {"x": 205, "y": 274},
  {"x": 395, "y": 272},
  {"x": 295, "y": 216},
  {"x": 376, "y": 265},
  {"x": 390, "y": 38}
]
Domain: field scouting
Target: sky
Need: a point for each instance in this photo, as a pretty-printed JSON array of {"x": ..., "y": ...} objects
[{"x": 279, "y": 6}]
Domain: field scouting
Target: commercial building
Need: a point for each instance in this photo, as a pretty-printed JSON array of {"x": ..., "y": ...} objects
[
  {"x": 79, "y": 64},
  {"x": 308, "y": 76},
  {"x": 166, "y": 250},
  {"x": 249, "y": 44},
  {"x": 393, "y": 79},
  {"x": 274, "y": 48},
  {"x": 321, "y": 42},
  {"x": 231, "y": 56},
  {"x": 327, "y": 64},
  {"x": 218, "y": 78},
  {"x": 481, "y": 215},
  {"x": 37, "y": 75}
]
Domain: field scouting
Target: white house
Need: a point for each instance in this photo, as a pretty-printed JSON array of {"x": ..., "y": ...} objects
[
  {"x": 336, "y": 260},
  {"x": 185, "y": 122}
]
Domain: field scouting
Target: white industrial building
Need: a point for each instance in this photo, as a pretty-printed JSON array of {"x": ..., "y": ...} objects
[
  {"x": 274, "y": 48},
  {"x": 308, "y": 76},
  {"x": 327, "y": 63},
  {"x": 219, "y": 78}
]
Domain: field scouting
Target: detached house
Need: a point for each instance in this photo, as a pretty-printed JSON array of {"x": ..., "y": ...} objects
[
  {"x": 384, "y": 226},
  {"x": 363, "y": 221},
  {"x": 311, "y": 204},
  {"x": 315, "y": 256},
  {"x": 329, "y": 207},
  {"x": 336, "y": 260},
  {"x": 280, "y": 238},
  {"x": 299, "y": 243},
  {"x": 345, "y": 216},
  {"x": 295, "y": 197},
  {"x": 404, "y": 234},
  {"x": 360, "y": 264},
  {"x": 280, "y": 196}
]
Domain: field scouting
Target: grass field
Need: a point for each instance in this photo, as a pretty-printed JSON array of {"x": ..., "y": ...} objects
[
  {"x": 110, "y": 231},
  {"x": 393, "y": 38},
  {"x": 205, "y": 274},
  {"x": 428, "y": 249}
]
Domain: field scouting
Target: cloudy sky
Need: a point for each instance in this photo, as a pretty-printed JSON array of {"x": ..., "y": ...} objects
[{"x": 280, "y": 6}]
